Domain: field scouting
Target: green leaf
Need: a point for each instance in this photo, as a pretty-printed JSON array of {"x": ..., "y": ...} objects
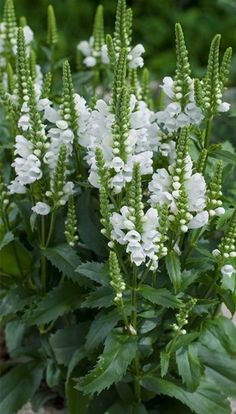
[
  {"x": 65, "y": 259},
  {"x": 162, "y": 297},
  {"x": 101, "y": 298},
  {"x": 60, "y": 300},
  {"x": 225, "y": 156},
  {"x": 66, "y": 341},
  {"x": 206, "y": 399},
  {"x": 189, "y": 366},
  {"x": 77, "y": 402},
  {"x": 15, "y": 300},
  {"x": 174, "y": 270},
  {"x": 101, "y": 327},
  {"x": 165, "y": 360},
  {"x": 53, "y": 374},
  {"x": 98, "y": 272},
  {"x": 89, "y": 223},
  {"x": 181, "y": 340},
  {"x": 18, "y": 386},
  {"x": 112, "y": 365},
  {"x": 14, "y": 333},
  {"x": 9, "y": 236}
]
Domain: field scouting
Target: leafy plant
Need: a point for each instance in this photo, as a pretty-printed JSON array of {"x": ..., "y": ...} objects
[{"x": 118, "y": 226}]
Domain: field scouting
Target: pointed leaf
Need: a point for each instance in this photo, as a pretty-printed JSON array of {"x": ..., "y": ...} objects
[
  {"x": 162, "y": 297},
  {"x": 174, "y": 270}
]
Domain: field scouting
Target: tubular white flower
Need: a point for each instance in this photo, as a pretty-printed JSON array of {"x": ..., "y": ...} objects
[
  {"x": 134, "y": 57},
  {"x": 227, "y": 270},
  {"x": 41, "y": 208}
]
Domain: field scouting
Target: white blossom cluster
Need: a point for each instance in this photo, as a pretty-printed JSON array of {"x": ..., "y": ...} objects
[
  {"x": 143, "y": 247},
  {"x": 165, "y": 188},
  {"x": 92, "y": 57},
  {"x": 141, "y": 142},
  {"x": 174, "y": 116}
]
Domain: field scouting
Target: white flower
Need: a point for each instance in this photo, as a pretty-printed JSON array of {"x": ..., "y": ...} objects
[
  {"x": 27, "y": 169},
  {"x": 134, "y": 57},
  {"x": 159, "y": 187},
  {"x": 15, "y": 187},
  {"x": 227, "y": 270},
  {"x": 200, "y": 220},
  {"x": 24, "y": 122},
  {"x": 224, "y": 107},
  {"x": 104, "y": 55},
  {"x": 28, "y": 35},
  {"x": 90, "y": 61},
  {"x": 85, "y": 46},
  {"x": 23, "y": 147},
  {"x": 196, "y": 190},
  {"x": 41, "y": 208},
  {"x": 167, "y": 86}
]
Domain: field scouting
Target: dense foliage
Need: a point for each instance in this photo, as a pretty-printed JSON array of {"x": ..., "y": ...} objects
[{"x": 118, "y": 225}]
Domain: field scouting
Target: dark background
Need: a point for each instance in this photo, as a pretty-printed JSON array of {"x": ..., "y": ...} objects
[{"x": 153, "y": 26}]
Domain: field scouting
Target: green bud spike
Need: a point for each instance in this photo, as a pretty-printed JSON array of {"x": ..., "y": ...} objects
[
  {"x": 201, "y": 165},
  {"x": 120, "y": 128},
  {"x": 98, "y": 30},
  {"x": 71, "y": 223},
  {"x": 111, "y": 50},
  {"x": 32, "y": 64},
  {"x": 22, "y": 68},
  {"x": 135, "y": 198},
  {"x": 52, "y": 35},
  {"x": 117, "y": 281},
  {"x": 215, "y": 188},
  {"x": 129, "y": 25},
  {"x": 4, "y": 201},
  {"x": 119, "y": 77},
  {"x": 120, "y": 35},
  {"x": 103, "y": 172},
  {"x": 9, "y": 19},
  {"x": 10, "y": 78},
  {"x": 182, "y": 76},
  {"x": 225, "y": 67},
  {"x": 212, "y": 82},
  {"x": 36, "y": 132},
  {"x": 69, "y": 107},
  {"x": 104, "y": 178},
  {"x": 145, "y": 86},
  {"x": 198, "y": 93},
  {"x": 59, "y": 177},
  {"x": 134, "y": 83},
  {"x": 22, "y": 21},
  {"x": 47, "y": 85},
  {"x": 227, "y": 244}
]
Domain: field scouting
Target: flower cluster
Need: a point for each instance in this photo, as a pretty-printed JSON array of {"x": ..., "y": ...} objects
[{"x": 181, "y": 189}]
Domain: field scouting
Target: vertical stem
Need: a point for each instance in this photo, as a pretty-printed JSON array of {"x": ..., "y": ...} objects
[
  {"x": 137, "y": 389},
  {"x": 43, "y": 258},
  {"x": 51, "y": 227},
  {"x": 208, "y": 132}
]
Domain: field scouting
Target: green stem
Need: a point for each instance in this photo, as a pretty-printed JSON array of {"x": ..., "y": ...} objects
[
  {"x": 137, "y": 389},
  {"x": 51, "y": 228},
  {"x": 43, "y": 258},
  {"x": 208, "y": 132}
]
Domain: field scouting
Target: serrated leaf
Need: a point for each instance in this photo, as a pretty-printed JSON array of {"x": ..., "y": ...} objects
[
  {"x": 62, "y": 299},
  {"x": 174, "y": 270},
  {"x": 101, "y": 327},
  {"x": 206, "y": 399},
  {"x": 112, "y": 365},
  {"x": 14, "y": 333},
  {"x": 181, "y": 340},
  {"x": 98, "y": 272},
  {"x": 15, "y": 300},
  {"x": 189, "y": 366},
  {"x": 18, "y": 386},
  {"x": 65, "y": 259},
  {"x": 8, "y": 237},
  {"x": 162, "y": 296}
]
